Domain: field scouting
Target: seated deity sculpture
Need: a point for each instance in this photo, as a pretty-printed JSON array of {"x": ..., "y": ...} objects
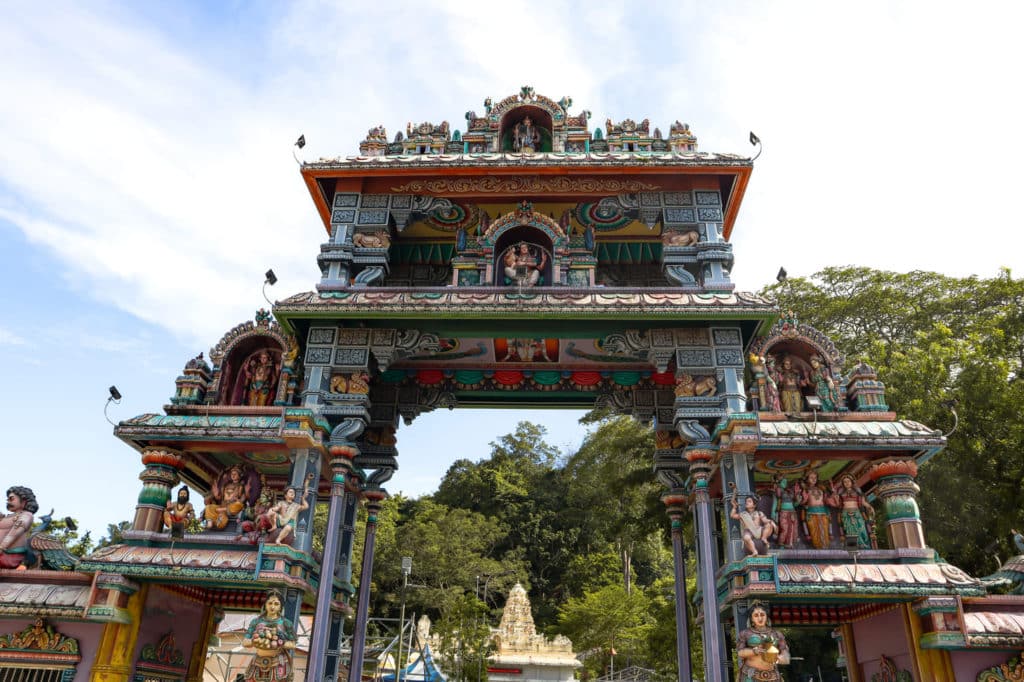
[
  {"x": 15, "y": 526},
  {"x": 522, "y": 266},
  {"x": 177, "y": 514},
  {"x": 228, "y": 497}
]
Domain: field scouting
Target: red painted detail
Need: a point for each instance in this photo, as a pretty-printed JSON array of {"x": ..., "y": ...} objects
[
  {"x": 429, "y": 377},
  {"x": 586, "y": 378},
  {"x": 508, "y": 378},
  {"x": 664, "y": 378},
  {"x": 506, "y": 671}
]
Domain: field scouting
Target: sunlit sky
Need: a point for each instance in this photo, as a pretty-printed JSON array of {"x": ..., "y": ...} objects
[{"x": 147, "y": 179}]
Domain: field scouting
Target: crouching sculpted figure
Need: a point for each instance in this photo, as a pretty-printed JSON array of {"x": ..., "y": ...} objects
[{"x": 15, "y": 525}]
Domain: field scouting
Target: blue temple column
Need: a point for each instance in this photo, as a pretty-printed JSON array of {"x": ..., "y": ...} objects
[
  {"x": 341, "y": 467},
  {"x": 675, "y": 502},
  {"x": 374, "y": 498},
  {"x": 305, "y": 472},
  {"x": 700, "y": 457}
]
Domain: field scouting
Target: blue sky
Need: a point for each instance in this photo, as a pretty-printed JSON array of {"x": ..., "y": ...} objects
[{"x": 147, "y": 182}]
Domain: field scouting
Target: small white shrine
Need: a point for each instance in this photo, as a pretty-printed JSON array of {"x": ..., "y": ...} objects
[{"x": 522, "y": 655}]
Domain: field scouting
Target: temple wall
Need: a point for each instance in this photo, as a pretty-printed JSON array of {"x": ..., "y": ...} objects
[
  {"x": 87, "y": 634},
  {"x": 168, "y": 612},
  {"x": 882, "y": 635},
  {"x": 967, "y": 664}
]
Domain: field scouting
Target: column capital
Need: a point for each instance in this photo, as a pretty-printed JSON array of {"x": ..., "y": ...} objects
[{"x": 893, "y": 466}]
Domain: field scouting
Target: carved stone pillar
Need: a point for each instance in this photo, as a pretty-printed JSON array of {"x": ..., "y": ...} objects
[
  {"x": 158, "y": 478},
  {"x": 341, "y": 466},
  {"x": 374, "y": 498},
  {"x": 700, "y": 455},
  {"x": 670, "y": 468},
  {"x": 675, "y": 503},
  {"x": 895, "y": 487}
]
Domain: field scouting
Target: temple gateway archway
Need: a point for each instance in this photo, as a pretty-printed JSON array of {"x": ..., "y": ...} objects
[{"x": 528, "y": 262}]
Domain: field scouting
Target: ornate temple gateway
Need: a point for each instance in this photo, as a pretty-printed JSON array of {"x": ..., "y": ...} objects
[{"x": 528, "y": 260}]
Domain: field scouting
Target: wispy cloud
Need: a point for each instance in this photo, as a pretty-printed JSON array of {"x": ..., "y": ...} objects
[
  {"x": 162, "y": 178},
  {"x": 9, "y": 338}
]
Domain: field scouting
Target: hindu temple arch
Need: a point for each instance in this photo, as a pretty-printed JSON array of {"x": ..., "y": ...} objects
[{"x": 639, "y": 316}]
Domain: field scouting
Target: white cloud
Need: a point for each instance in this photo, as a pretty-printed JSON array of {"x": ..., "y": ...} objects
[
  {"x": 9, "y": 338},
  {"x": 164, "y": 182}
]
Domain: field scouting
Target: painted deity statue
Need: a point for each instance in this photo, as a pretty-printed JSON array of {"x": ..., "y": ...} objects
[
  {"x": 760, "y": 649},
  {"x": 15, "y": 526},
  {"x": 786, "y": 498},
  {"x": 273, "y": 637},
  {"x": 226, "y": 499},
  {"x": 285, "y": 514},
  {"x": 177, "y": 514},
  {"x": 522, "y": 267},
  {"x": 824, "y": 386},
  {"x": 755, "y": 526},
  {"x": 790, "y": 379},
  {"x": 855, "y": 512},
  {"x": 258, "y": 379},
  {"x": 767, "y": 392},
  {"x": 526, "y": 136},
  {"x": 817, "y": 519}
]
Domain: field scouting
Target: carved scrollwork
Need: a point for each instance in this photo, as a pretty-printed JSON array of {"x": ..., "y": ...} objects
[{"x": 347, "y": 430}]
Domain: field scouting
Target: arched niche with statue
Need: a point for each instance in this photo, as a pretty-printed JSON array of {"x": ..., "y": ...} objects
[
  {"x": 796, "y": 368},
  {"x": 254, "y": 365},
  {"x": 524, "y": 248}
]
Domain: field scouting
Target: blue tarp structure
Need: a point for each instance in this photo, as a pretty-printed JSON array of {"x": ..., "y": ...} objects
[{"x": 420, "y": 670}]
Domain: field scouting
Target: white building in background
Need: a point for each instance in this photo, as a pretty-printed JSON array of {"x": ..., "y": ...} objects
[{"x": 522, "y": 655}]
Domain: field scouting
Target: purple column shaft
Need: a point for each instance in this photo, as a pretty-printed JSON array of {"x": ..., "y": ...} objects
[
  {"x": 682, "y": 617},
  {"x": 322, "y": 615},
  {"x": 355, "y": 670},
  {"x": 713, "y": 653}
]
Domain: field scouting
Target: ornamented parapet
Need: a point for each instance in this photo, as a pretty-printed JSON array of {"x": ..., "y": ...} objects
[
  {"x": 193, "y": 382},
  {"x": 528, "y": 123},
  {"x": 680, "y": 139},
  {"x": 864, "y": 391},
  {"x": 376, "y": 142},
  {"x": 40, "y": 646},
  {"x": 426, "y": 138}
]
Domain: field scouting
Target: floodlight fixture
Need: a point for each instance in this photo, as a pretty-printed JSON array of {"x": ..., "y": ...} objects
[
  {"x": 115, "y": 397},
  {"x": 756, "y": 141}
]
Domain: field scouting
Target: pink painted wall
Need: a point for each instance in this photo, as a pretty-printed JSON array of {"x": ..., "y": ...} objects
[
  {"x": 165, "y": 612},
  {"x": 967, "y": 664},
  {"x": 87, "y": 634},
  {"x": 880, "y": 635}
]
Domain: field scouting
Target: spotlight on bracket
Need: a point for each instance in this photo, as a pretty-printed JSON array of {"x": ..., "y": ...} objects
[
  {"x": 115, "y": 397},
  {"x": 299, "y": 144},
  {"x": 271, "y": 280},
  {"x": 756, "y": 141}
]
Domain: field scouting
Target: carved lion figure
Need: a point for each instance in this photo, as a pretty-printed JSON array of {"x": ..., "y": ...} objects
[
  {"x": 688, "y": 238},
  {"x": 688, "y": 386},
  {"x": 377, "y": 240}
]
